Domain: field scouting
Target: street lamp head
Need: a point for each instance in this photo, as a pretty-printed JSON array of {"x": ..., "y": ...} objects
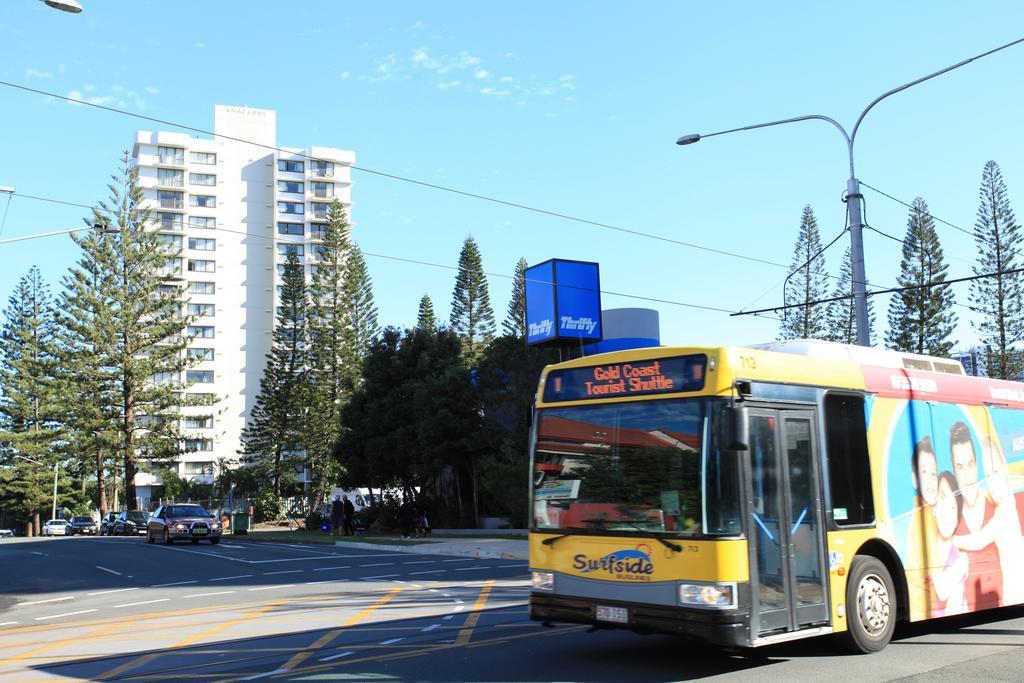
[
  {"x": 6, "y": 189},
  {"x": 71, "y": 6},
  {"x": 688, "y": 139}
]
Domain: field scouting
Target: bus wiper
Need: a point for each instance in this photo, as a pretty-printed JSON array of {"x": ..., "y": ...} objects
[
  {"x": 556, "y": 539},
  {"x": 668, "y": 544}
]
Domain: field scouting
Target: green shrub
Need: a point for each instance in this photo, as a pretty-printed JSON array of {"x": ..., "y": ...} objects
[{"x": 267, "y": 507}]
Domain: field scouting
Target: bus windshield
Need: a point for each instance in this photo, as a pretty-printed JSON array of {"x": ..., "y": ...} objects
[{"x": 645, "y": 466}]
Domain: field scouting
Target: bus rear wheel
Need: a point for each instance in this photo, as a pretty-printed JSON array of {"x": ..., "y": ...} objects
[{"x": 870, "y": 605}]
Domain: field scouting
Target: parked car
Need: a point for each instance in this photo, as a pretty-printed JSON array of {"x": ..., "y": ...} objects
[
  {"x": 6, "y": 533},
  {"x": 172, "y": 522},
  {"x": 131, "y": 523},
  {"x": 83, "y": 525},
  {"x": 56, "y": 527},
  {"x": 107, "y": 524}
]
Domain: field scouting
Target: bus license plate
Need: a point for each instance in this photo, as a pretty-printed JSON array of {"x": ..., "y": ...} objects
[{"x": 619, "y": 615}]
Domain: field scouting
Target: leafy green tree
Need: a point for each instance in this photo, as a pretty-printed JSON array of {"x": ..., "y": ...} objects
[
  {"x": 425, "y": 319},
  {"x": 840, "y": 316},
  {"x": 807, "y": 282},
  {"x": 999, "y": 299},
  {"x": 329, "y": 379},
  {"x": 920, "y": 317},
  {"x": 515, "y": 323},
  {"x": 361, "y": 327},
  {"x": 277, "y": 423},
  {"x": 472, "y": 318},
  {"x": 31, "y": 420}
]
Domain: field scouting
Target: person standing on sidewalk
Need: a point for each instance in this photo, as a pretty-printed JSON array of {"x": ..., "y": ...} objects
[
  {"x": 337, "y": 513},
  {"x": 349, "y": 511},
  {"x": 405, "y": 518}
]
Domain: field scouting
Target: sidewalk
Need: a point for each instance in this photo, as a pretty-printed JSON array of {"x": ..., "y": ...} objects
[{"x": 484, "y": 548}]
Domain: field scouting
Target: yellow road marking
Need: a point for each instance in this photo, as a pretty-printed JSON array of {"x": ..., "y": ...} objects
[
  {"x": 467, "y": 631},
  {"x": 66, "y": 641}
]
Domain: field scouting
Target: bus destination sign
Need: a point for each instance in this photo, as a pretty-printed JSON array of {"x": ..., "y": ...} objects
[{"x": 632, "y": 378}]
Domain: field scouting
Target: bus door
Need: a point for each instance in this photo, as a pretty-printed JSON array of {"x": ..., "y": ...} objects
[{"x": 788, "y": 557}]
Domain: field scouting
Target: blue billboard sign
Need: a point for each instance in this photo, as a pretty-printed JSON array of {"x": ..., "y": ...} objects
[{"x": 563, "y": 302}]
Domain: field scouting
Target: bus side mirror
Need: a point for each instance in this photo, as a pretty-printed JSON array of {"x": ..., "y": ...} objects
[{"x": 737, "y": 436}]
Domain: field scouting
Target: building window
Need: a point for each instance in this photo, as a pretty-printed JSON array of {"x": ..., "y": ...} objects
[
  {"x": 201, "y": 244},
  {"x": 322, "y": 190},
  {"x": 203, "y": 310},
  {"x": 317, "y": 231},
  {"x": 202, "y": 223},
  {"x": 167, "y": 290},
  {"x": 289, "y": 166},
  {"x": 318, "y": 251},
  {"x": 201, "y": 288},
  {"x": 199, "y": 376},
  {"x": 318, "y": 210},
  {"x": 196, "y": 468},
  {"x": 172, "y": 241},
  {"x": 321, "y": 169},
  {"x": 193, "y": 445},
  {"x": 203, "y": 201},
  {"x": 289, "y": 228},
  {"x": 171, "y": 155},
  {"x": 201, "y": 399},
  {"x": 172, "y": 266},
  {"x": 291, "y": 186},
  {"x": 206, "y": 179},
  {"x": 198, "y": 422},
  {"x": 199, "y": 354},
  {"x": 169, "y": 177},
  {"x": 200, "y": 331},
  {"x": 169, "y": 221},
  {"x": 165, "y": 377},
  {"x": 291, "y": 207},
  {"x": 208, "y": 158},
  {"x": 199, "y": 266},
  {"x": 286, "y": 249},
  {"x": 170, "y": 200}
]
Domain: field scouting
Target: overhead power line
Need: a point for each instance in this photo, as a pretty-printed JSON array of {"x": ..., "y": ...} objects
[
  {"x": 388, "y": 257},
  {"x": 404, "y": 179}
]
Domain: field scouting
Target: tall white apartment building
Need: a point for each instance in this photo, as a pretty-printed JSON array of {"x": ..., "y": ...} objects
[{"x": 234, "y": 209}]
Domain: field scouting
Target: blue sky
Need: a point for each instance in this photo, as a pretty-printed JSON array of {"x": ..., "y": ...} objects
[{"x": 571, "y": 107}]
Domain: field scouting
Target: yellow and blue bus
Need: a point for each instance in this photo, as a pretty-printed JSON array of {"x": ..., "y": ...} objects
[{"x": 749, "y": 496}]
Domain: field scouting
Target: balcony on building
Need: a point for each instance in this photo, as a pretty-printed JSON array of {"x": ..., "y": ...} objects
[
  {"x": 170, "y": 156},
  {"x": 318, "y": 211},
  {"x": 170, "y": 222},
  {"x": 171, "y": 200},
  {"x": 320, "y": 169}
]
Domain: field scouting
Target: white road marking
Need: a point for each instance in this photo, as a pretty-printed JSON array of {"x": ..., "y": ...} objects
[
  {"x": 145, "y": 602},
  {"x": 40, "y": 602},
  {"x": 337, "y": 656},
  {"x": 228, "y": 578},
  {"x": 382, "y": 576},
  {"x": 506, "y": 566},
  {"x": 66, "y": 614},
  {"x": 458, "y": 601},
  {"x": 36, "y": 552},
  {"x": 109, "y": 570},
  {"x": 7, "y": 623},
  {"x": 468, "y": 559},
  {"x": 432, "y": 571},
  {"x": 448, "y": 617},
  {"x": 263, "y": 675},
  {"x": 289, "y": 571},
  {"x": 197, "y": 552},
  {"x": 327, "y": 569},
  {"x": 421, "y": 562},
  {"x": 457, "y": 608},
  {"x": 225, "y": 545},
  {"x": 470, "y": 569},
  {"x": 379, "y": 564},
  {"x": 176, "y": 583},
  {"x": 313, "y": 583},
  {"x": 267, "y": 588},
  {"x": 393, "y": 640},
  {"x": 204, "y": 595},
  {"x": 116, "y": 590},
  {"x": 431, "y": 627}
]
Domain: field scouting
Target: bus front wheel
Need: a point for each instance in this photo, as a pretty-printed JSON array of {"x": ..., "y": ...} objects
[{"x": 870, "y": 605}]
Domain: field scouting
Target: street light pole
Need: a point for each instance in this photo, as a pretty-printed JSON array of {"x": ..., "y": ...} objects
[{"x": 853, "y": 197}]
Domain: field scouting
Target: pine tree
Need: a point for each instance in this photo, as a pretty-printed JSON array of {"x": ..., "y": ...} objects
[
  {"x": 999, "y": 299},
  {"x": 277, "y": 422},
  {"x": 807, "y": 282},
  {"x": 921, "y": 319},
  {"x": 515, "y": 323},
  {"x": 841, "y": 316},
  {"x": 426, "y": 320},
  {"x": 139, "y": 325},
  {"x": 30, "y": 416},
  {"x": 329, "y": 379},
  {"x": 361, "y": 327},
  {"x": 472, "y": 318}
]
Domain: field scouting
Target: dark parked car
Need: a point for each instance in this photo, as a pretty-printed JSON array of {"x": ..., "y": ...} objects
[
  {"x": 83, "y": 525},
  {"x": 107, "y": 524},
  {"x": 172, "y": 522},
  {"x": 131, "y": 523}
]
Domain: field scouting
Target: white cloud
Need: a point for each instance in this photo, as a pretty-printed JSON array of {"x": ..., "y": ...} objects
[
  {"x": 481, "y": 73},
  {"x": 344, "y": 75},
  {"x": 36, "y": 73},
  {"x": 152, "y": 90},
  {"x": 201, "y": 46},
  {"x": 62, "y": 69},
  {"x": 415, "y": 26}
]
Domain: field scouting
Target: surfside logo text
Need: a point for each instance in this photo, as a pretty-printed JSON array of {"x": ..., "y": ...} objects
[{"x": 626, "y": 564}]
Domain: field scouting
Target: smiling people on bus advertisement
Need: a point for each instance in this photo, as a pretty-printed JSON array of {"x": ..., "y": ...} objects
[{"x": 956, "y": 519}]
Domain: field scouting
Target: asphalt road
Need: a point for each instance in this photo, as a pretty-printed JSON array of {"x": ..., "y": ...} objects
[{"x": 101, "y": 609}]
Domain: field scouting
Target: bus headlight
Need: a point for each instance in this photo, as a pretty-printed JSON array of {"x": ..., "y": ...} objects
[
  {"x": 720, "y": 595},
  {"x": 543, "y": 581}
]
